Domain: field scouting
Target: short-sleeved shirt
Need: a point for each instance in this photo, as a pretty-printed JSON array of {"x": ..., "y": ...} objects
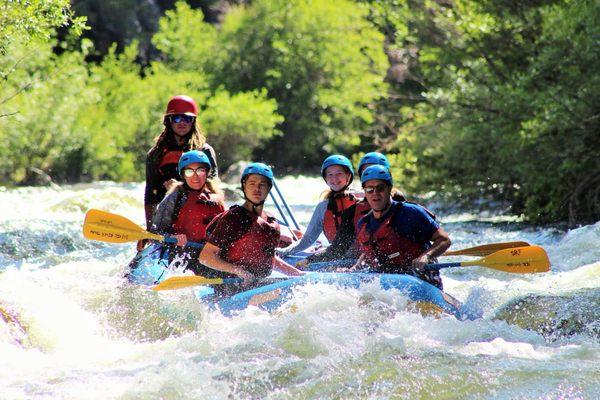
[
  {"x": 410, "y": 220},
  {"x": 259, "y": 237}
]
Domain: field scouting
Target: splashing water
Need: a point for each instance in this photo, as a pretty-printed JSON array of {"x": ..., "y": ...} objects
[{"x": 71, "y": 328}]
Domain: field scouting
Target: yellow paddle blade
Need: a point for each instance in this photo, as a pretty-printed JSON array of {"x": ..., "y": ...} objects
[
  {"x": 106, "y": 227},
  {"x": 180, "y": 282},
  {"x": 485, "y": 249},
  {"x": 520, "y": 260}
]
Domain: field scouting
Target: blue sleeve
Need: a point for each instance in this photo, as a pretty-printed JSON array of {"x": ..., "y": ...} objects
[
  {"x": 162, "y": 220},
  {"x": 313, "y": 231},
  {"x": 413, "y": 222}
]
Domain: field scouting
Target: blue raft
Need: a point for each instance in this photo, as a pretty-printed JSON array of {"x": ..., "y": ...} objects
[{"x": 152, "y": 266}]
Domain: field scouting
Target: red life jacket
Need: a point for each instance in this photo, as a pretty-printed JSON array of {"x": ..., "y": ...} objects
[
  {"x": 385, "y": 249},
  {"x": 168, "y": 162},
  {"x": 362, "y": 208},
  {"x": 333, "y": 215},
  {"x": 255, "y": 242},
  {"x": 194, "y": 215}
]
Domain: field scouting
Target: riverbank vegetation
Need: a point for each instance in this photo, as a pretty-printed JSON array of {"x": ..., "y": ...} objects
[{"x": 470, "y": 99}]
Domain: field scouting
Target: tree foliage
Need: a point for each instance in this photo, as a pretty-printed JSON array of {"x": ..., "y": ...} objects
[
  {"x": 509, "y": 105},
  {"x": 34, "y": 19},
  {"x": 477, "y": 98},
  {"x": 320, "y": 60}
]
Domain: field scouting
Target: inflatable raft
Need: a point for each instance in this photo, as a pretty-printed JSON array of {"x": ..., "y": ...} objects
[{"x": 154, "y": 264}]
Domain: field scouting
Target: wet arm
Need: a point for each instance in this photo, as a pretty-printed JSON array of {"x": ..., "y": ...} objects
[
  {"x": 162, "y": 220},
  {"x": 314, "y": 229},
  {"x": 211, "y": 258},
  {"x": 285, "y": 268},
  {"x": 343, "y": 240},
  {"x": 441, "y": 243}
]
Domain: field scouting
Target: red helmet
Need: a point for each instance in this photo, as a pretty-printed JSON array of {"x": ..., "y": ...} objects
[{"x": 182, "y": 105}]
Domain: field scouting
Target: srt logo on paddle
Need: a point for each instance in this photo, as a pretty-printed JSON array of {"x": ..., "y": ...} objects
[{"x": 516, "y": 252}]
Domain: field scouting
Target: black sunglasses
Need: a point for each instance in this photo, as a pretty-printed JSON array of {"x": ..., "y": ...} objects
[
  {"x": 372, "y": 189},
  {"x": 177, "y": 118}
]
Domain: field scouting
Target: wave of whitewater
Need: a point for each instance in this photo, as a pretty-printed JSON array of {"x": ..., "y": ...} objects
[{"x": 71, "y": 328}]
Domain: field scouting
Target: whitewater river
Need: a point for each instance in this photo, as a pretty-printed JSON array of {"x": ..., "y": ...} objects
[{"x": 71, "y": 328}]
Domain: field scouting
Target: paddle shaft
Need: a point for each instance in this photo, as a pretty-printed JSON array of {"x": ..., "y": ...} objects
[
  {"x": 521, "y": 260},
  {"x": 173, "y": 240},
  {"x": 283, "y": 216},
  {"x": 433, "y": 267},
  {"x": 485, "y": 249},
  {"x": 285, "y": 205},
  {"x": 316, "y": 266}
]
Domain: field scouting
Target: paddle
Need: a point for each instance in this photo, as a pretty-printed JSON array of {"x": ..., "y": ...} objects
[
  {"x": 486, "y": 249},
  {"x": 482, "y": 250},
  {"x": 179, "y": 282},
  {"x": 518, "y": 260},
  {"x": 316, "y": 266},
  {"x": 106, "y": 227}
]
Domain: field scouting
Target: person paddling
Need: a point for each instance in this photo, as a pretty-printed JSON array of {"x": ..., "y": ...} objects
[
  {"x": 243, "y": 239},
  {"x": 337, "y": 171},
  {"x": 189, "y": 208},
  {"x": 344, "y": 245},
  {"x": 397, "y": 237},
  {"x": 182, "y": 132}
]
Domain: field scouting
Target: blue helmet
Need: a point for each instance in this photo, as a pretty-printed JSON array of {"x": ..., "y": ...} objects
[
  {"x": 376, "y": 172},
  {"x": 337, "y": 159},
  {"x": 260, "y": 169},
  {"x": 190, "y": 157},
  {"x": 373, "y": 157}
]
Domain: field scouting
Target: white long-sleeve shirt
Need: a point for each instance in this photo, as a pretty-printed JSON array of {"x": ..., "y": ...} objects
[{"x": 313, "y": 231}]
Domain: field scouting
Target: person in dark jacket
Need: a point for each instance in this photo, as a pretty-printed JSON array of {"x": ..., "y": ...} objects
[{"x": 182, "y": 132}]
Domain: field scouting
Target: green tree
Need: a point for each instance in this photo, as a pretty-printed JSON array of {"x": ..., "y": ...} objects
[
  {"x": 41, "y": 134},
  {"x": 34, "y": 19},
  {"x": 186, "y": 41},
  {"x": 509, "y": 108},
  {"x": 322, "y": 62}
]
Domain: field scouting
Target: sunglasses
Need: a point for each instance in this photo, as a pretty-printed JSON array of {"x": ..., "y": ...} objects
[
  {"x": 188, "y": 172},
  {"x": 372, "y": 189},
  {"x": 188, "y": 119}
]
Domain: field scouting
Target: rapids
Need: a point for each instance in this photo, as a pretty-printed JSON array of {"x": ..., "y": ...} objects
[{"x": 72, "y": 328}]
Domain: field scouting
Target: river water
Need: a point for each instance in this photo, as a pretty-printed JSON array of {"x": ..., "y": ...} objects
[{"x": 71, "y": 328}]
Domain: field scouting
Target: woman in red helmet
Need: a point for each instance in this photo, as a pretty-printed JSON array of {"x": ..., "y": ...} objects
[{"x": 182, "y": 133}]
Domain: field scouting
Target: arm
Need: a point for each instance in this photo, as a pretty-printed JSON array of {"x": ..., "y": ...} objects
[
  {"x": 285, "y": 268},
  {"x": 359, "y": 265},
  {"x": 210, "y": 257},
  {"x": 441, "y": 242},
  {"x": 162, "y": 219},
  {"x": 313, "y": 230},
  {"x": 343, "y": 240}
]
